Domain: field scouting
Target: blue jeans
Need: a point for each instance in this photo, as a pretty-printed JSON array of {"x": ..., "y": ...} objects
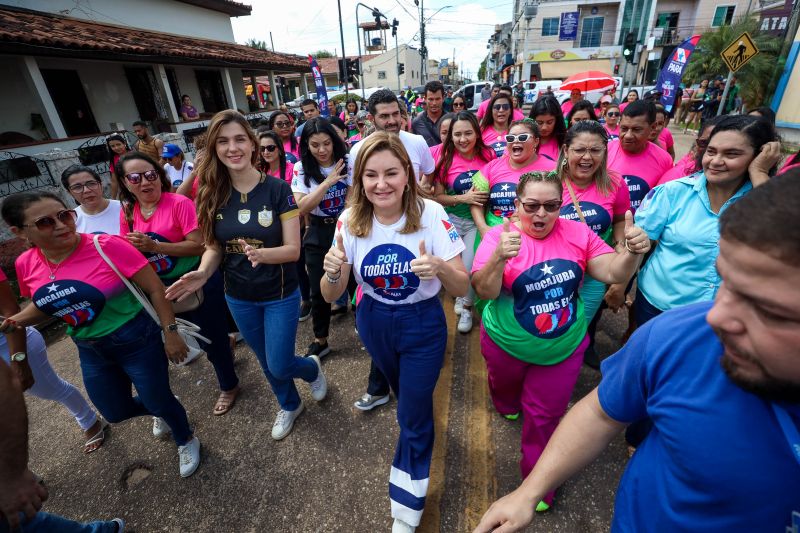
[
  {"x": 48, "y": 523},
  {"x": 132, "y": 355},
  {"x": 643, "y": 310},
  {"x": 270, "y": 328}
]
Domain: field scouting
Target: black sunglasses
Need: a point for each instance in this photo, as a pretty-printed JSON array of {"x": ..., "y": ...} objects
[
  {"x": 136, "y": 177},
  {"x": 67, "y": 216},
  {"x": 613, "y": 114},
  {"x": 458, "y": 104},
  {"x": 533, "y": 207},
  {"x": 282, "y": 124},
  {"x": 501, "y": 107},
  {"x": 269, "y": 148}
]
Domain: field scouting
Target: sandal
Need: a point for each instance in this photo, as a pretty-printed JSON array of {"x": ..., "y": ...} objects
[
  {"x": 97, "y": 440},
  {"x": 226, "y": 401}
]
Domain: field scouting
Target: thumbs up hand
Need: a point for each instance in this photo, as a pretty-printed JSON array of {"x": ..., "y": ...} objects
[
  {"x": 509, "y": 243},
  {"x": 335, "y": 257},
  {"x": 636, "y": 240},
  {"x": 426, "y": 266}
]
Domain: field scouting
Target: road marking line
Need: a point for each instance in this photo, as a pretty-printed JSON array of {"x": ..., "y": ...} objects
[
  {"x": 481, "y": 481},
  {"x": 431, "y": 517}
]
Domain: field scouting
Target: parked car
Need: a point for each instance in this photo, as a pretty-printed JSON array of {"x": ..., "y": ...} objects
[
  {"x": 297, "y": 101},
  {"x": 533, "y": 88},
  {"x": 471, "y": 93}
]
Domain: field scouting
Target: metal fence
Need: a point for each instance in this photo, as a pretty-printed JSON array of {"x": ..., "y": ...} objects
[{"x": 19, "y": 172}]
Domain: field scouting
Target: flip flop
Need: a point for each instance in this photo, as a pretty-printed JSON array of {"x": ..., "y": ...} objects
[
  {"x": 226, "y": 401},
  {"x": 97, "y": 440}
]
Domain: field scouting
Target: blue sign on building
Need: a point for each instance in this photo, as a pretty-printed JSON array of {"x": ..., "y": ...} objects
[{"x": 568, "y": 30}]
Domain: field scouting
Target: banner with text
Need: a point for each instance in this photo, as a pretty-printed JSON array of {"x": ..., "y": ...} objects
[
  {"x": 322, "y": 92},
  {"x": 670, "y": 76},
  {"x": 568, "y": 30}
]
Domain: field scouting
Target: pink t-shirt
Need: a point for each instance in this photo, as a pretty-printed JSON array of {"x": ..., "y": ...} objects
[
  {"x": 500, "y": 180},
  {"x": 494, "y": 140},
  {"x": 459, "y": 181},
  {"x": 292, "y": 156},
  {"x": 623, "y": 106},
  {"x": 289, "y": 173},
  {"x": 598, "y": 210},
  {"x": 665, "y": 139},
  {"x": 566, "y": 107},
  {"x": 515, "y": 115},
  {"x": 3, "y": 276},
  {"x": 174, "y": 219},
  {"x": 787, "y": 168},
  {"x": 684, "y": 167},
  {"x": 613, "y": 133},
  {"x": 86, "y": 293},
  {"x": 640, "y": 171},
  {"x": 549, "y": 148},
  {"x": 436, "y": 152},
  {"x": 538, "y": 316}
]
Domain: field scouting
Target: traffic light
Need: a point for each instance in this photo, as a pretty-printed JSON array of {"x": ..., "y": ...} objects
[
  {"x": 377, "y": 15},
  {"x": 629, "y": 47},
  {"x": 394, "y": 27},
  {"x": 401, "y": 68},
  {"x": 342, "y": 69},
  {"x": 352, "y": 69}
]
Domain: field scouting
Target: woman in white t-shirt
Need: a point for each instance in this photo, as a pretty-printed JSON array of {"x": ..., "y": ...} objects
[
  {"x": 402, "y": 250},
  {"x": 320, "y": 184},
  {"x": 96, "y": 213},
  {"x": 177, "y": 167}
]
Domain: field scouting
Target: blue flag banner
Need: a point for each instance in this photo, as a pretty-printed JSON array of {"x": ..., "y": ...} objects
[
  {"x": 568, "y": 29},
  {"x": 670, "y": 76},
  {"x": 319, "y": 81}
]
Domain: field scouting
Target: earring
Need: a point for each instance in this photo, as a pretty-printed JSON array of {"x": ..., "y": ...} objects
[
  {"x": 564, "y": 163},
  {"x": 407, "y": 188}
]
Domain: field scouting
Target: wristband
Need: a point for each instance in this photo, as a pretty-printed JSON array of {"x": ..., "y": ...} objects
[{"x": 333, "y": 280}]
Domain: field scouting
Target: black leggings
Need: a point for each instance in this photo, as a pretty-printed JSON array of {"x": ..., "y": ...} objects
[{"x": 317, "y": 242}]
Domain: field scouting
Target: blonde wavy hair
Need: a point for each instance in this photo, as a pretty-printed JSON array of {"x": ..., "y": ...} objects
[
  {"x": 359, "y": 221},
  {"x": 215, "y": 180}
]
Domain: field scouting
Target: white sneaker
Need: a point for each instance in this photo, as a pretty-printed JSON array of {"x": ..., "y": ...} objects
[
  {"x": 465, "y": 321},
  {"x": 160, "y": 427},
  {"x": 459, "y": 305},
  {"x": 284, "y": 422},
  {"x": 189, "y": 455},
  {"x": 401, "y": 527},
  {"x": 319, "y": 387}
]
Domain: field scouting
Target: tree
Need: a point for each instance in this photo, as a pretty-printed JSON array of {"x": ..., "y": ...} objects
[
  {"x": 757, "y": 78},
  {"x": 482, "y": 70},
  {"x": 260, "y": 45},
  {"x": 322, "y": 54}
]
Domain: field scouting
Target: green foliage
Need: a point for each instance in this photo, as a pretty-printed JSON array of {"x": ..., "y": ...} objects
[
  {"x": 260, "y": 45},
  {"x": 342, "y": 98},
  {"x": 482, "y": 70},
  {"x": 322, "y": 54},
  {"x": 757, "y": 79}
]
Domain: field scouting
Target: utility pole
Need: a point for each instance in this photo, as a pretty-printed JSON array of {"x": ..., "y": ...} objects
[
  {"x": 271, "y": 41},
  {"x": 422, "y": 50},
  {"x": 341, "y": 35},
  {"x": 396, "y": 53}
]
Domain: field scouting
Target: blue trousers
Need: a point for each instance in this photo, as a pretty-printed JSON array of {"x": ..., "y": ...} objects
[
  {"x": 50, "y": 523},
  {"x": 133, "y": 354},
  {"x": 270, "y": 328},
  {"x": 208, "y": 317},
  {"x": 407, "y": 344},
  {"x": 643, "y": 310}
]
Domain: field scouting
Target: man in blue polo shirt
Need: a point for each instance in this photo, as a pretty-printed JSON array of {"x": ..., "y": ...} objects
[{"x": 720, "y": 382}]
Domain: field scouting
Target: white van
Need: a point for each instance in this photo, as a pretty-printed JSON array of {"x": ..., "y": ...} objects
[
  {"x": 533, "y": 88},
  {"x": 471, "y": 93}
]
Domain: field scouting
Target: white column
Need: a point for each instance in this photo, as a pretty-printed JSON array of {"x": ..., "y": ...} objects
[
  {"x": 172, "y": 106},
  {"x": 35, "y": 82},
  {"x": 274, "y": 90},
  {"x": 226, "y": 80},
  {"x": 305, "y": 83},
  {"x": 618, "y": 28}
]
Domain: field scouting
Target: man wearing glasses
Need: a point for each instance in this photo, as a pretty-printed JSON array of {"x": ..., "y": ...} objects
[
  {"x": 96, "y": 213},
  {"x": 427, "y": 123}
]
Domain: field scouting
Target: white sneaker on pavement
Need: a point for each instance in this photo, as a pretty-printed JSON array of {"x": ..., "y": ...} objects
[
  {"x": 319, "y": 387},
  {"x": 459, "y": 305},
  {"x": 189, "y": 455},
  {"x": 401, "y": 527},
  {"x": 465, "y": 321},
  {"x": 160, "y": 427},
  {"x": 284, "y": 422}
]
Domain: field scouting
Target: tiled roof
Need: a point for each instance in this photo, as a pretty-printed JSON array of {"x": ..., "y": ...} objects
[{"x": 23, "y": 31}]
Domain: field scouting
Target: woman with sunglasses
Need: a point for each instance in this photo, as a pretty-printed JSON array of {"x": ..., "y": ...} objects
[
  {"x": 163, "y": 226},
  {"x": 282, "y": 123},
  {"x": 612, "y": 116},
  {"x": 250, "y": 226},
  {"x": 402, "y": 250},
  {"x": 494, "y": 125},
  {"x": 119, "y": 345},
  {"x": 320, "y": 185},
  {"x": 459, "y": 104},
  {"x": 96, "y": 213},
  {"x": 547, "y": 114},
  {"x": 463, "y": 155},
  {"x": 117, "y": 145},
  {"x": 582, "y": 110},
  {"x": 533, "y": 332}
]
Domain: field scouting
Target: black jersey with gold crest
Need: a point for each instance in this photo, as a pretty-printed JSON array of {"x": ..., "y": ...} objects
[{"x": 257, "y": 218}]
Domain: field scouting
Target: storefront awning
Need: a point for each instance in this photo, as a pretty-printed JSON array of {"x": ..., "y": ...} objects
[{"x": 563, "y": 69}]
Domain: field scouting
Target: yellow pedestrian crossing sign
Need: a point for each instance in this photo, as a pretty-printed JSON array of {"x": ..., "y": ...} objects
[{"x": 739, "y": 52}]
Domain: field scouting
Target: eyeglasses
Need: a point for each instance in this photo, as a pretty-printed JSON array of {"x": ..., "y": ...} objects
[
  {"x": 458, "y": 104},
  {"x": 282, "y": 124},
  {"x": 522, "y": 137},
  {"x": 67, "y": 216},
  {"x": 77, "y": 188},
  {"x": 269, "y": 148},
  {"x": 533, "y": 207},
  {"x": 613, "y": 114},
  {"x": 501, "y": 107},
  {"x": 136, "y": 177},
  {"x": 594, "y": 152}
]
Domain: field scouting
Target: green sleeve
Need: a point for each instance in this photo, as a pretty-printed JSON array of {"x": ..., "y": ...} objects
[{"x": 479, "y": 182}]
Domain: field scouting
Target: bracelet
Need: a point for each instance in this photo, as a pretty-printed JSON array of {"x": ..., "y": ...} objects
[{"x": 332, "y": 280}]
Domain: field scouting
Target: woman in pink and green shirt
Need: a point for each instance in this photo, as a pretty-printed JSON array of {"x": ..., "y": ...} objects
[{"x": 533, "y": 332}]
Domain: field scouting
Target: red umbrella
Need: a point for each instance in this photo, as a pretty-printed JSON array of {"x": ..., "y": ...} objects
[{"x": 591, "y": 80}]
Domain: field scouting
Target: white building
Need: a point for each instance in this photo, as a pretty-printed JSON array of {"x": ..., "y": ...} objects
[{"x": 381, "y": 70}]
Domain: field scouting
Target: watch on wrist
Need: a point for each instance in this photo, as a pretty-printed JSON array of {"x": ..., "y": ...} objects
[
  {"x": 18, "y": 357},
  {"x": 171, "y": 327}
]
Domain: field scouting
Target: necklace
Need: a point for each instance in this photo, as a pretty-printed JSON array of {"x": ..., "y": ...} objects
[
  {"x": 58, "y": 264},
  {"x": 147, "y": 213}
]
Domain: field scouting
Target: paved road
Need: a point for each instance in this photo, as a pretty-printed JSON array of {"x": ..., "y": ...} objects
[{"x": 331, "y": 473}]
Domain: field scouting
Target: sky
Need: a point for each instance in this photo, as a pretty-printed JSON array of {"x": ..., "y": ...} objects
[{"x": 305, "y": 26}]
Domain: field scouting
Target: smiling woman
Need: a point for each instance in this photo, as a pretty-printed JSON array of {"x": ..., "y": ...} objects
[{"x": 96, "y": 213}]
